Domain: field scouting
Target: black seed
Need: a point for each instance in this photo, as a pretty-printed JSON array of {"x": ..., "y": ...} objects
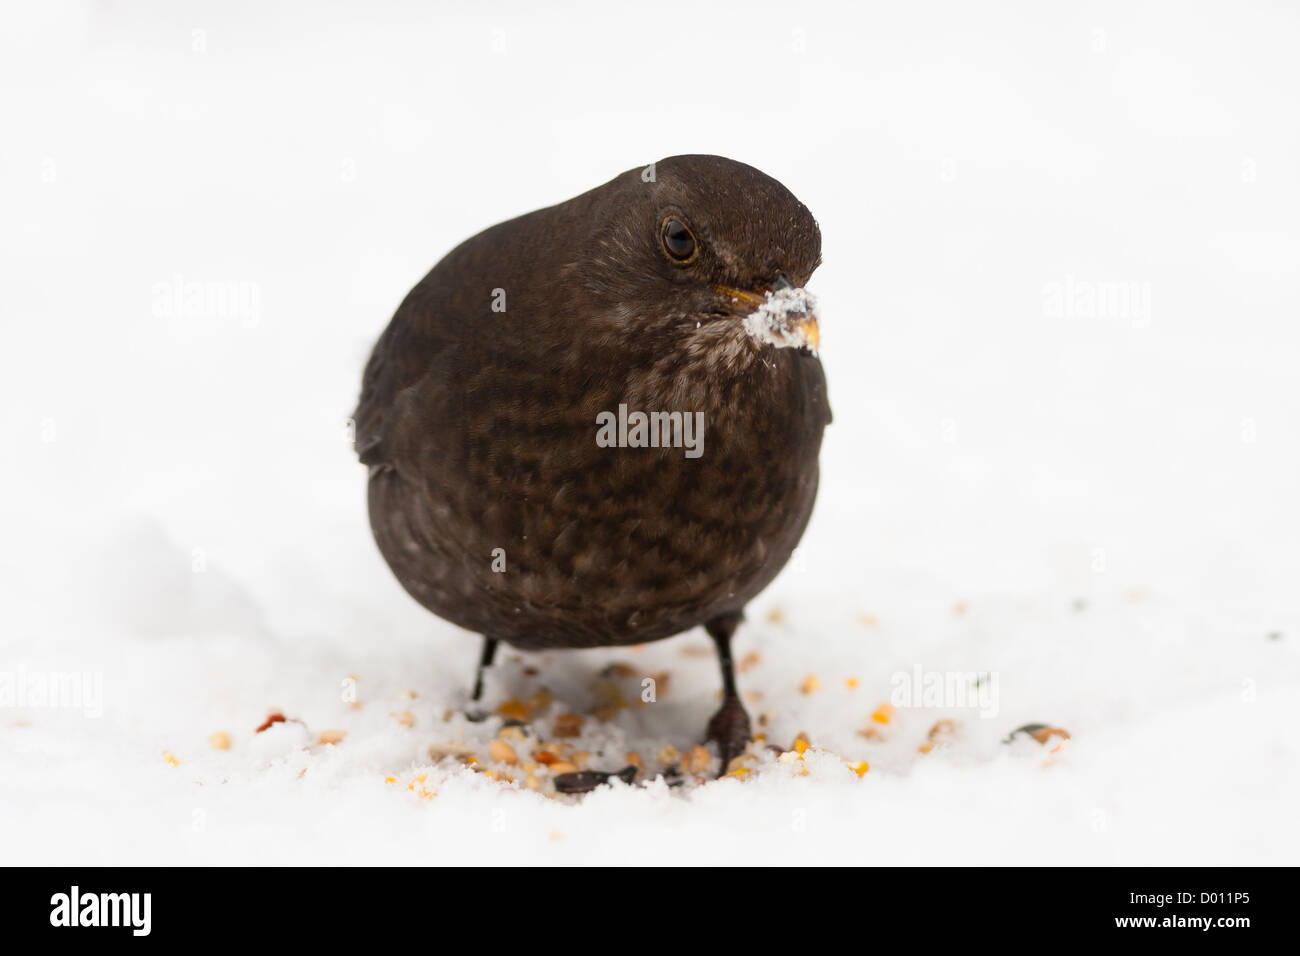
[{"x": 584, "y": 781}]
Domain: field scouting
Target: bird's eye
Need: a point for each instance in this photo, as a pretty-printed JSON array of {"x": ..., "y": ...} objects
[{"x": 678, "y": 241}]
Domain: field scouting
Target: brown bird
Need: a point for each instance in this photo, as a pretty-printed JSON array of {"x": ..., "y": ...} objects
[{"x": 598, "y": 424}]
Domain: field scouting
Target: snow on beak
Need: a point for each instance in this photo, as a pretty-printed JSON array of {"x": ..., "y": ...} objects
[{"x": 784, "y": 315}]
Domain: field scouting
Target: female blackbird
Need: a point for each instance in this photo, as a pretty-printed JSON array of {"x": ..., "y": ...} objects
[{"x": 598, "y": 424}]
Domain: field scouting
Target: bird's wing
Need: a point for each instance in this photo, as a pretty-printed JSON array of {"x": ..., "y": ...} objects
[{"x": 406, "y": 353}]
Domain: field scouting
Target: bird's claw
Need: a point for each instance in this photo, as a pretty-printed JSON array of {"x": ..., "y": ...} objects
[{"x": 729, "y": 729}]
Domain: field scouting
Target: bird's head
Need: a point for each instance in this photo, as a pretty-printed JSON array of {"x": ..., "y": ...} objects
[{"x": 709, "y": 245}]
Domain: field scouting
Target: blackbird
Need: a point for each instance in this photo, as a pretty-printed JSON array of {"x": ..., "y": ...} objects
[{"x": 598, "y": 424}]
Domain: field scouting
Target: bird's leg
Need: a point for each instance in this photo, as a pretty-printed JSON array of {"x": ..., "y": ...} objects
[
  {"x": 484, "y": 662},
  {"x": 729, "y": 727}
]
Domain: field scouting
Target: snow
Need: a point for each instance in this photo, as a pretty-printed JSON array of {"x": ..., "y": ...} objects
[
  {"x": 1058, "y": 312},
  {"x": 781, "y": 319}
]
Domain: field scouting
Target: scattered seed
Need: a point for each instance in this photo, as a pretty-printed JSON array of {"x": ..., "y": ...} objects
[
  {"x": 810, "y": 684},
  {"x": 563, "y": 766},
  {"x": 668, "y": 756},
  {"x": 568, "y": 725},
  {"x": 738, "y": 763},
  {"x": 513, "y": 708},
  {"x": 502, "y": 752},
  {"x": 883, "y": 714},
  {"x": 942, "y": 728},
  {"x": 584, "y": 781},
  {"x": 439, "y": 752},
  {"x": 513, "y": 732},
  {"x": 696, "y": 760},
  {"x": 219, "y": 741},
  {"x": 1040, "y": 732},
  {"x": 332, "y": 736},
  {"x": 405, "y": 718},
  {"x": 274, "y": 717}
]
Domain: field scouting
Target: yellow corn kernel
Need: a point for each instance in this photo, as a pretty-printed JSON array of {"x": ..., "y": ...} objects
[{"x": 513, "y": 709}]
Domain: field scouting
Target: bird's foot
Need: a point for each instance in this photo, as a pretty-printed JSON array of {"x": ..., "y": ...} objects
[{"x": 729, "y": 729}]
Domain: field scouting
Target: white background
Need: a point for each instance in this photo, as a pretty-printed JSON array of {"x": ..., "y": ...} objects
[{"x": 1101, "y": 508}]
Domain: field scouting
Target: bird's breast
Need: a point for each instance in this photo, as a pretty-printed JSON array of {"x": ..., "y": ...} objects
[{"x": 602, "y": 504}]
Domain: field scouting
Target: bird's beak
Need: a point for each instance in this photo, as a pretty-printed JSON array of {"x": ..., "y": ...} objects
[
  {"x": 807, "y": 329},
  {"x": 780, "y": 314}
]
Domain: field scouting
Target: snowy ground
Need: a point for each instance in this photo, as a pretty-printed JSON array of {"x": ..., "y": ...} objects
[{"x": 1058, "y": 315}]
